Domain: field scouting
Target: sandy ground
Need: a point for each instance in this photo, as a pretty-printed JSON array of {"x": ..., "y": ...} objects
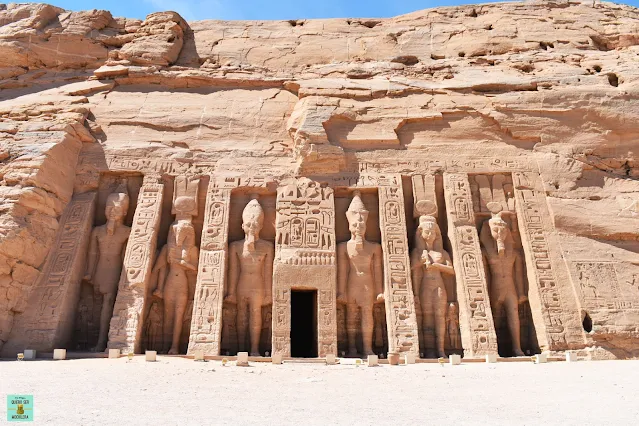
[{"x": 176, "y": 391}]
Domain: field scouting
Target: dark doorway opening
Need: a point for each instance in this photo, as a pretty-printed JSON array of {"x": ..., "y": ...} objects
[
  {"x": 587, "y": 323},
  {"x": 304, "y": 323}
]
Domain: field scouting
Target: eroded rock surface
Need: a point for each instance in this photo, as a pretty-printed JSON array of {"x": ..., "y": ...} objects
[{"x": 544, "y": 94}]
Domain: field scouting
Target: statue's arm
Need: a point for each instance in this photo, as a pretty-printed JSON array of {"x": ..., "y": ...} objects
[
  {"x": 446, "y": 266},
  {"x": 417, "y": 272},
  {"x": 378, "y": 265},
  {"x": 92, "y": 256},
  {"x": 234, "y": 273},
  {"x": 268, "y": 274},
  {"x": 159, "y": 271},
  {"x": 520, "y": 279},
  {"x": 342, "y": 271},
  {"x": 484, "y": 260}
]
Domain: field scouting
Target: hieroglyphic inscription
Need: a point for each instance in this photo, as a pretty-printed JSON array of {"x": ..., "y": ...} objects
[
  {"x": 50, "y": 323},
  {"x": 554, "y": 311},
  {"x": 400, "y": 303},
  {"x": 206, "y": 326},
  {"x": 305, "y": 246},
  {"x": 598, "y": 286},
  {"x": 475, "y": 317},
  {"x": 126, "y": 325}
]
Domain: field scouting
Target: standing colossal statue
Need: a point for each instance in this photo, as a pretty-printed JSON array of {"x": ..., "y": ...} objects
[
  {"x": 359, "y": 277},
  {"x": 506, "y": 281},
  {"x": 106, "y": 254},
  {"x": 429, "y": 261},
  {"x": 250, "y": 277}
]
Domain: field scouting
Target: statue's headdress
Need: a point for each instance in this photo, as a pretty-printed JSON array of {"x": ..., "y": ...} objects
[
  {"x": 356, "y": 206},
  {"x": 253, "y": 211},
  {"x": 120, "y": 196}
]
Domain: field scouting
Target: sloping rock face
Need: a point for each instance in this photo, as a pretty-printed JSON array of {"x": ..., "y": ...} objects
[{"x": 543, "y": 89}]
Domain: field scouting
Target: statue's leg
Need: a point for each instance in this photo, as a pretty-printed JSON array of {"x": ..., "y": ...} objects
[
  {"x": 169, "y": 319},
  {"x": 108, "y": 300},
  {"x": 241, "y": 324},
  {"x": 180, "y": 309},
  {"x": 441, "y": 303},
  {"x": 368, "y": 326},
  {"x": 428, "y": 323},
  {"x": 352, "y": 328},
  {"x": 255, "y": 322},
  {"x": 512, "y": 314}
]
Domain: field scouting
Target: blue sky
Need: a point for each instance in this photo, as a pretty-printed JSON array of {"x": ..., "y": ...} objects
[{"x": 262, "y": 9}]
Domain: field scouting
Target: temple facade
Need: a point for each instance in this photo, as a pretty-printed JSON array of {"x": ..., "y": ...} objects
[{"x": 454, "y": 181}]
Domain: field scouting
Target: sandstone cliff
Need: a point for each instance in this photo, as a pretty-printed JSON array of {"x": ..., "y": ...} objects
[{"x": 553, "y": 82}]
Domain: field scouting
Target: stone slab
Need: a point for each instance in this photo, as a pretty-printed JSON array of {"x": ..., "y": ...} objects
[
  {"x": 59, "y": 354},
  {"x": 454, "y": 359}
]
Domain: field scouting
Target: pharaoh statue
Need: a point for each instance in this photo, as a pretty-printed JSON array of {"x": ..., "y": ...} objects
[
  {"x": 506, "y": 283},
  {"x": 430, "y": 264},
  {"x": 359, "y": 277},
  {"x": 177, "y": 260},
  {"x": 106, "y": 254},
  {"x": 250, "y": 277}
]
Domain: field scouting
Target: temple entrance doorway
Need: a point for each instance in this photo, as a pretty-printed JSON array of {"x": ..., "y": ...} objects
[{"x": 304, "y": 323}]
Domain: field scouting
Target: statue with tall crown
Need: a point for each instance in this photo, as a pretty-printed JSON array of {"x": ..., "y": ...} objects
[
  {"x": 430, "y": 264},
  {"x": 106, "y": 255},
  {"x": 177, "y": 263},
  {"x": 506, "y": 279},
  {"x": 250, "y": 277},
  {"x": 359, "y": 278}
]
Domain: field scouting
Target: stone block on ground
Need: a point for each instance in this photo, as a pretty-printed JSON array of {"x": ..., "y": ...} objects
[
  {"x": 454, "y": 359},
  {"x": 242, "y": 359},
  {"x": 373, "y": 361},
  {"x": 276, "y": 359},
  {"x": 29, "y": 354},
  {"x": 491, "y": 358},
  {"x": 151, "y": 356},
  {"x": 330, "y": 359},
  {"x": 114, "y": 353},
  {"x": 59, "y": 354}
]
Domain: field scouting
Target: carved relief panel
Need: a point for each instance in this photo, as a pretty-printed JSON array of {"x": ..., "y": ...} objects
[
  {"x": 50, "y": 322},
  {"x": 305, "y": 259},
  {"x": 554, "y": 308},
  {"x": 126, "y": 326},
  {"x": 475, "y": 316},
  {"x": 206, "y": 325}
]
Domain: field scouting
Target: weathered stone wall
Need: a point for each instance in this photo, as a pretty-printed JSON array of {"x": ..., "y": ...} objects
[{"x": 544, "y": 93}]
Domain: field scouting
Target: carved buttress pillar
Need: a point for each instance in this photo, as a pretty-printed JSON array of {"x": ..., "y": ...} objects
[
  {"x": 305, "y": 259},
  {"x": 475, "y": 316},
  {"x": 49, "y": 321},
  {"x": 206, "y": 323},
  {"x": 553, "y": 304},
  {"x": 398, "y": 293},
  {"x": 125, "y": 331}
]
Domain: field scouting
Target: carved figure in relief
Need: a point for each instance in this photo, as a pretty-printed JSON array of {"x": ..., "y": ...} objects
[
  {"x": 429, "y": 261},
  {"x": 106, "y": 254},
  {"x": 506, "y": 281},
  {"x": 250, "y": 277},
  {"x": 359, "y": 277},
  {"x": 452, "y": 324},
  {"x": 177, "y": 260}
]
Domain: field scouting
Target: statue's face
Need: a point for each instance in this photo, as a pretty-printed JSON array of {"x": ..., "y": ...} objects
[
  {"x": 252, "y": 226},
  {"x": 428, "y": 232},
  {"x": 357, "y": 222},
  {"x": 499, "y": 231},
  {"x": 114, "y": 211}
]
